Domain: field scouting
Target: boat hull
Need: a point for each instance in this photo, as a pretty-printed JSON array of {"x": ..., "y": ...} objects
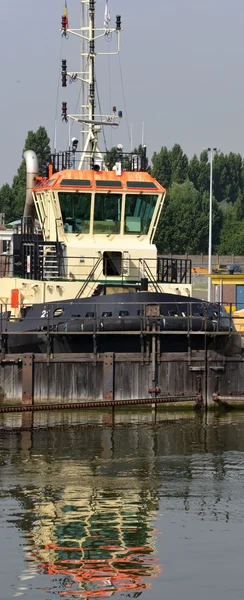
[{"x": 116, "y": 323}]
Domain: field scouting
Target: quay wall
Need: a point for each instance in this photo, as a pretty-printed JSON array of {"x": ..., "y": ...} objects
[{"x": 203, "y": 379}]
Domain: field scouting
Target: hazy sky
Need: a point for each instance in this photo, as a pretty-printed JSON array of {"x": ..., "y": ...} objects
[{"x": 182, "y": 63}]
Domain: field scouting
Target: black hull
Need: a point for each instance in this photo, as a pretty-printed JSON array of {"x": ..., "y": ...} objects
[{"x": 116, "y": 323}]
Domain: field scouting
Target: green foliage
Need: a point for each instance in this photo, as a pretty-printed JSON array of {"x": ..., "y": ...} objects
[
  {"x": 183, "y": 226},
  {"x": 7, "y": 201},
  {"x": 113, "y": 156},
  {"x": 12, "y": 199},
  {"x": 179, "y": 164},
  {"x": 161, "y": 167},
  {"x": 170, "y": 166},
  {"x": 232, "y": 232},
  {"x": 227, "y": 177}
]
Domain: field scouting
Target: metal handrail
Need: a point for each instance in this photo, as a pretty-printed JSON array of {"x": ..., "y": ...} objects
[
  {"x": 149, "y": 274},
  {"x": 89, "y": 278},
  {"x": 79, "y": 271}
]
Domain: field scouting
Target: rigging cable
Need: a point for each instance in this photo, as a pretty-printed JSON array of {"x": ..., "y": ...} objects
[
  {"x": 100, "y": 110},
  {"x": 78, "y": 102},
  {"x": 124, "y": 100},
  {"x": 110, "y": 94},
  {"x": 57, "y": 97}
]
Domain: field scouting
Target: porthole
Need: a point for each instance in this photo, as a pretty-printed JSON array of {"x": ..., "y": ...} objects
[{"x": 58, "y": 312}]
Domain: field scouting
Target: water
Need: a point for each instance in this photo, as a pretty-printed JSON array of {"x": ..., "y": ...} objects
[{"x": 139, "y": 509}]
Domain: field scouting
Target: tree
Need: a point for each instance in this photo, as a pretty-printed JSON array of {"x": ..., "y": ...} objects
[
  {"x": 239, "y": 207},
  {"x": 183, "y": 226},
  {"x": 111, "y": 158},
  {"x": 204, "y": 173},
  {"x": 232, "y": 233},
  {"x": 194, "y": 171},
  {"x": 39, "y": 142},
  {"x": 6, "y": 201},
  {"x": 129, "y": 161},
  {"x": 162, "y": 167},
  {"x": 170, "y": 166},
  {"x": 179, "y": 164}
]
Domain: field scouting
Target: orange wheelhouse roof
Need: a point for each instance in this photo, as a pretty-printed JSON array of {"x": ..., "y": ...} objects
[{"x": 70, "y": 179}]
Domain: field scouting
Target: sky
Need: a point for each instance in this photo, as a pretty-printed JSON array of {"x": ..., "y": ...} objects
[{"x": 181, "y": 64}]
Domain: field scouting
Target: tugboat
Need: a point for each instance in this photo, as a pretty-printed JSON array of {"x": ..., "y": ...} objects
[{"x": 92, "y": 267}]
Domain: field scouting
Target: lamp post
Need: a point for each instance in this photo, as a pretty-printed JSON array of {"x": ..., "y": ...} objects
[{"x": 211, "y": 152}]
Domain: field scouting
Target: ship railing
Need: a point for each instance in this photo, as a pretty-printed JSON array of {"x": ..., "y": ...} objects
[
  {"x": 130, "y": 161},
  {"x": 50, "y": 262},
  {"x": 176, "y": 270},
  {"x": 90, "y": 277},
  {"x": 147, "y": 273},
  {"x": 5, "y": 264},
  {"x": 126, "y": 318}
]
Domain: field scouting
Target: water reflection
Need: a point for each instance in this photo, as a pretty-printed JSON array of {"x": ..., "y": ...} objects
[
  {"x": 86, "y": 501},
  {"x": 100, "y": 542},
  {"x": 87, "y": 510}
]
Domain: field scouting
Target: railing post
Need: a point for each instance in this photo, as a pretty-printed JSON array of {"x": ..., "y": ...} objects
[
  {"x": 27, "y": 380},
  {"x": 108, "y": 377},
  {"x": 230, "y": 317}
]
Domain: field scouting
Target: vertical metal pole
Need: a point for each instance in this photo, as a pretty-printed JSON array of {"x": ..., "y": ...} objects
[
  {"x": 210, "y": 227},
  {"x": 55, "y": 137},
  {"x": 70, "y": 137},
  {"x": 83, "y": 68}
]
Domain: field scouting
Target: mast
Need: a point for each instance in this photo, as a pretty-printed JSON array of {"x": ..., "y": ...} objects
[
  {"x": 83, "y": 22},
  {"x": 92, "y": 122}
]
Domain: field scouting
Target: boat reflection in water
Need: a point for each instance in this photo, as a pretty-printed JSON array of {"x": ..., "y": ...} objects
[
  {"x": 90, "y": 522},
  {"x": 103, "y": 542}
]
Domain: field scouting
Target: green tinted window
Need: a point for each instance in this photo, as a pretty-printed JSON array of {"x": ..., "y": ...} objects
[
  {"x": 108, "y": 183},
  {"x": 139, "y": 210},
  {"x": 141, "y": 184},
  {"x": 75, "y": 182},
  {"x": 75, "y": 209},
  {"x": 107, "y": 213}
]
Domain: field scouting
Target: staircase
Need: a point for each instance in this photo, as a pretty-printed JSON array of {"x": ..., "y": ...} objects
[
  {"x": 50, "y": 262},
  {"x": 40, "y": 260}
]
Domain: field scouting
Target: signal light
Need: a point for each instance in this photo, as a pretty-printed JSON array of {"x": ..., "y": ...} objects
[
  {"x": 64, "y": 73},
  {"x": 64, "y": 112},
  {"x": 118, "y": 22},
  {"x": 64, "y": 23}
]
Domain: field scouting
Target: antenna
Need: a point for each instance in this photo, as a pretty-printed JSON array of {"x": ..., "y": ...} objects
[
  {"x": 55, "y": 136},
  {"x": 88, "y": 34},
  {"x": 142, "y": 134}
]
